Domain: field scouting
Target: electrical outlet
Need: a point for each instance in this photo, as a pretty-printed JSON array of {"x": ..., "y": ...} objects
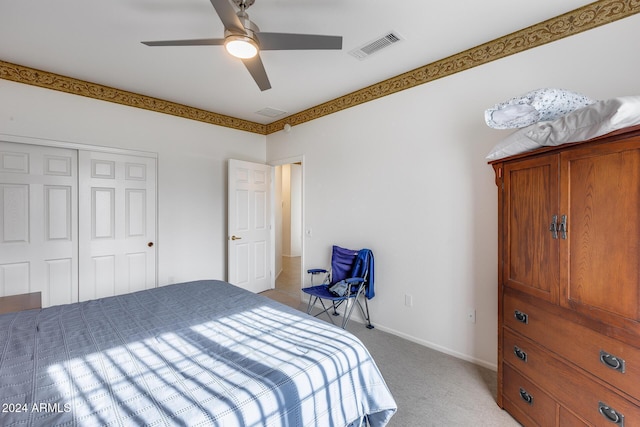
[
  {"x": 408, "y": 300},
  {"x": 471, "y": 316}
]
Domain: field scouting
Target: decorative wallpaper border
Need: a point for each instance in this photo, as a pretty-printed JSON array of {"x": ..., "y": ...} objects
[
  {"x": 31, "y": 76},
  {"x": 585, "y": 18},
  {"x": 582, "y": 19}
]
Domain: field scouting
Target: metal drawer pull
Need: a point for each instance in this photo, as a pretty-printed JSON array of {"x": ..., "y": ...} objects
[
  {"x": 611, "y": 414},
  {"x": 519, "y": 353},
  {"x": 611, "y": 361},
  {"x": 521, "y": 317},
  {"x": 526, "y": 396}
]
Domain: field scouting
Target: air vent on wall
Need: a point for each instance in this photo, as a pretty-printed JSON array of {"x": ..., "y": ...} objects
[
  {"x": 271, "y": 112},
  {"x": 376, "y": 45}
]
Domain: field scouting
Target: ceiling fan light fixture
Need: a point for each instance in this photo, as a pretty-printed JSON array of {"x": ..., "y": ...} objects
[{"x": 242, "y": 47}]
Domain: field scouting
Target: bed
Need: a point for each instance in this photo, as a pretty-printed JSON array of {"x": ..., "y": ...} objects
[{"x": 202, "y": 353}]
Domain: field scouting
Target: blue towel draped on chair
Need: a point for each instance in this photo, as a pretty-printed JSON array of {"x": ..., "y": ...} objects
[
  {"x": 364, "y": 268},
  {"x": 354, "y": 267}
]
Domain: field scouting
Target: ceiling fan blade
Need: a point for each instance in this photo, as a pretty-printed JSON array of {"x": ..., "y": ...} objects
[
  {"x": 228, "y": 16},
  {"x": 257, "y": 71},
  {"x": 192, "y": 42},
  {"x": 287, "y": 41}
]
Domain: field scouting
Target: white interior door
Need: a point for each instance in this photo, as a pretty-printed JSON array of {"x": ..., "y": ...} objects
[
  {"x": 249, "y": 228},
  {"x": 117, "y": 225},
  {"x": 38, "y": 223}
]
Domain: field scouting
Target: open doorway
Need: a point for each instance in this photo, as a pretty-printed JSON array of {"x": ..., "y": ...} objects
[{"x": 288, "y": 228}]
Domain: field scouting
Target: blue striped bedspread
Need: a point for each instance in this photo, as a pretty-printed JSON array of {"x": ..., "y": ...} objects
[{"x": 202, "y": 353}]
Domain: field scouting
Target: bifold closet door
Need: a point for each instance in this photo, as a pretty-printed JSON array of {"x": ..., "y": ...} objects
[
  {"x": 38, "y": 222},
  {"x": 117, "y": 225}
]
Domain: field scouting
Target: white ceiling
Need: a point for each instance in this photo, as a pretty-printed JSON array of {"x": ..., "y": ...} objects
[{"x": 99, "y": 41}]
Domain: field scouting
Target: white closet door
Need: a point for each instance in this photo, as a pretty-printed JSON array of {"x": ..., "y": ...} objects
[
  {"x": 38, "y": 222},
  {"x": 117, "y": 224}
]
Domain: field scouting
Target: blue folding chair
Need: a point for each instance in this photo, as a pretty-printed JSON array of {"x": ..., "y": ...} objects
[{"x": 355, "y": 270}]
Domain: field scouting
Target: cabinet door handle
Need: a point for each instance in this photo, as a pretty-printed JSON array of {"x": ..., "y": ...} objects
[
  {"x": 562, "y": 228},
  {"x": 553, "y": 228},
  {"x": 611, "y": 414},
  {"x": 519, "y": 353},
  {"x": 526, "y": 396},
  {"x": 521, "y": 317},
  {"x": 611, "y": 361}
]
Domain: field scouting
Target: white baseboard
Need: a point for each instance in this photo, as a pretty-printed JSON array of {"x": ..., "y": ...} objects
[
  {"x": 357, "y": 317},
  {"x": 439, "y": 348}
]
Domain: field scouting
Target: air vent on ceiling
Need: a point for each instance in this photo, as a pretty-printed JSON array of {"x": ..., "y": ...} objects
[
  {"x": 376, "y": 45},
  {"x": 271, "y": 112}
]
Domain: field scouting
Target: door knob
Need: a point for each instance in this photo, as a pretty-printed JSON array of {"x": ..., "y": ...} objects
[
  {"x": 235, "y": 238},
  {"x": 150, "y": 244}
]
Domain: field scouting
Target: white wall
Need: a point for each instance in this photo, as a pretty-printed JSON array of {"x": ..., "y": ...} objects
[
  {"x": 292, "y": 210},
  {"x": 406, "y": 176},
  {"x": 286, "y": 210},
  {"x": 277, "y": 219},
  {"x": 192, "y": 167},
  {"x": 295, "y": 187},
  {"x": 287, "y": 213}
]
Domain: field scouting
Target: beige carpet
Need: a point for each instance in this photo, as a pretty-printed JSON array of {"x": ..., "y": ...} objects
[{"x": 430, "y": 388}]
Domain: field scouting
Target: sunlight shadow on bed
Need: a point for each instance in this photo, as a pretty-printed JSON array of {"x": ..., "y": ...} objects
[
  {"x": 247, "y": 369},
  {"x": 198, "y": 353}
]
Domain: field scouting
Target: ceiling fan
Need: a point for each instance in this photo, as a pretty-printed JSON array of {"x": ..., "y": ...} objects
[{"x": 243, "y": 39}]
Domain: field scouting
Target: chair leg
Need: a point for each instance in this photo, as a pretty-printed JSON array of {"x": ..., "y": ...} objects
[
  {"x": 310, "y": 305},
  {"x": 347, "y": 314},
  {"x": 348, "y": 310},
  {"x": 325, "y": 309},
  {"x": 367, "y": 316}
]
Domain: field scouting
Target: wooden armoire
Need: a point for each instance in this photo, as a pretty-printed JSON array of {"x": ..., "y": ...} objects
[{"x": 569, "y": 283}]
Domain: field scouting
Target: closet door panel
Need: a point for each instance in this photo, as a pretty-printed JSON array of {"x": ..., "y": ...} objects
[
  {"x": 117, "y": 224},
  {"x": 38, "y": 222}
]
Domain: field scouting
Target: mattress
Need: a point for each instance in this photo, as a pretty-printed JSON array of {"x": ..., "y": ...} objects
[{"x": 202, "y": 353}]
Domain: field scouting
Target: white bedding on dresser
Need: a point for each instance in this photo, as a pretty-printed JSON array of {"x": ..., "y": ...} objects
[
  {"x": 582, "y": 124},
  {"x": 534, "y": 106}
]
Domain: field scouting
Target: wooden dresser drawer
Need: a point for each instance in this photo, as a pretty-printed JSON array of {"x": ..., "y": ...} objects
[
  {"x": 571, "y": 387},
  {"x": 612, "y": 361},
  {"x": 538, "y": 407},
  {"x": 568, "y": 419}
]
